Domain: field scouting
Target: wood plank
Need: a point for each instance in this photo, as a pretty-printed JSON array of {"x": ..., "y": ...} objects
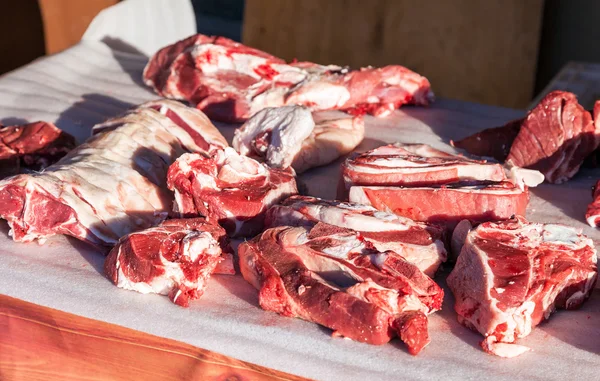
[
  {"x": 40, "y": 343},
  {"x": 483, "y": 51},
  {"x": 65, "y": 21}
]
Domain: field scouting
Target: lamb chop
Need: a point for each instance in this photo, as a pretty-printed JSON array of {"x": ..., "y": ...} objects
[
  {"x": 512, "y": 275},
  {"x": 231, "y": 82},
  {"x": 175, "y": 258},
  {"x": 227, "y": 188},
  {"x": 332, "y": 276},
  {"x": 293, "y": 136},
  {"x": 32, "y": 146},
  {"x": 418, "y": 243}
]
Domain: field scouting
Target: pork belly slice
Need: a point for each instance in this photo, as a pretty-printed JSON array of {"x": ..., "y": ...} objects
[
  {"x": 419, "y": 243},
  {"x": 511, "y": 275},
  {"x": 448, "y": 204},
  {"x": 110, "y": 186},
  {"x": 175, "y": 258},
  {"x": 414, "y": 165},
  {"x": 332, "y": 276},
  {"x": 293, "y": 136},
  {"x": 554, "y": 138},
  {"x": 231, "y": 82},
  {"x": 32, "y": 146},
  {"x": 227, "y": 188}
]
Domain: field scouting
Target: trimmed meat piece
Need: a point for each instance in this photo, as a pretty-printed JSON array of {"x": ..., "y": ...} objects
[
  {"x": 554, "y": 138},
  {"x": 292, "y": 136},
  {"x": 110, "y": 186},
  {"x": 416, "y": 242},
  {"x": 175, "y": 258},
  {"x": 414, "y": 165},
  {"x": 231, "y": 82},
  {"x": 449, "y": 204},
  {"x": 227, "y": 188},
  {"x": 512, "y": 275},
  {"x": 332, "y": 276},
  {"x": 32, "y": 146}
]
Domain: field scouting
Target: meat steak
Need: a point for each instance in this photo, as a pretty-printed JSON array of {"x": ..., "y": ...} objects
[
  {"x": 32, "y": 146},
  {"x": 175, "y": 258},
  {"x": 511, "y": 275},
  {"x": 419, "y": 243},
  {"x": 231, "y": 82},
  {"x": 227, "y": 188},
  {"x": 425, "y": 184},
  {"x": 110, "y": 186},
  {"x": 554, "y": 138},
  {"x": 293, "y": 136},
  {"x": 332, "y": 276}
]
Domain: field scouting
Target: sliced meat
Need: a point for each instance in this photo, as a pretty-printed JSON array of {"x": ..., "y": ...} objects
[
  {"x": 512, "y": 275},
  {"x": 32, "y": 146},
  {"x": 415, "y": 165},
  {"x": 593, "y": 210},
  {"x": 331, "y": 276},
  {"x": 449, "y": 204},
  {"x": 555, "y": 138},
  {"x": 231, "y": 82},
  {"x": 227, "y": 188},
  {"x": 108, "y": 187},
  {"x": 175, "y": 258},
  {"x": 292, "y": 136},
  {"x": 418, "y": 243}
]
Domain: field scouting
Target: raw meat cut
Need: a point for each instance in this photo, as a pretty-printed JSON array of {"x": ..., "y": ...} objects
[
  {"x": 486, "y": 201},
  {"x": 429, "y": 185},
  {"x": 593, "y": 210},
  {"x": 175, "y": 258},
  {"x": 415, "y": 165},
  {"x": 110, "y": 186},
  {"x": 511, "y": 275},
  {"x": 32, "y": 146},
  {"x": 418, "y": 243},
  {"x": 231, "y": 82},
  {"x": 332, "y": 276},
  {"x": 228, "y": 188},
  {"x": 554, "y": 138},
  {"x": 293, "y": 136}
]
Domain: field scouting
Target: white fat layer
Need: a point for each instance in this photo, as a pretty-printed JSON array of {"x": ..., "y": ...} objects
[
  {"x": 561, "y": 234},
  {"x": 347, "y": 245},
  {"x": 523, "y": 177},
  {"x": 289, "y": 127},
  {"x": 320, "y": 95}
]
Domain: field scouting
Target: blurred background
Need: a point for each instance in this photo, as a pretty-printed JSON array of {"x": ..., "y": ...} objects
[{"x": 497, "y": 52}]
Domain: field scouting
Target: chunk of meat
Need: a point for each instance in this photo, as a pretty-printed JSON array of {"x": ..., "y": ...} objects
[
  {"x": 554, "y": 138},
  {"x": 511, "y": 275},
  {"x": 331, "y": 276},
  {"x": 231, "y": 82},
  {"x": 175, "y": 258},
  {"x": 108, "y": 187},
  {"x": 292, "y": 136},
  {"x": 227, "y": 188},
  {"x": 418, "y": 243},
  {"x": 32, "y": 146}
]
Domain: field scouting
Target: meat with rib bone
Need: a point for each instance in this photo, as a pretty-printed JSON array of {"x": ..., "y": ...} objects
[
  {"x": 32, "y": 146},
  {"x": 554, "y": 138},
  {"x": 512, "y": 275},
  {"x": 231, "y": 82},
  {"x": 425, "y": 184},
  {"x": 227, "y": 188},
  {"x": 110, "y": 186},
  {"x": 332, "y": 276},
  {"x": 293, "y": 136},
  {"x": 418, "y": 243},
  {"x": 175, "y": 258}
]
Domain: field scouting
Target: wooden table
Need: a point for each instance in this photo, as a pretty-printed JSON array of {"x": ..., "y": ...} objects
[{"x": 40, "y": 343}]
